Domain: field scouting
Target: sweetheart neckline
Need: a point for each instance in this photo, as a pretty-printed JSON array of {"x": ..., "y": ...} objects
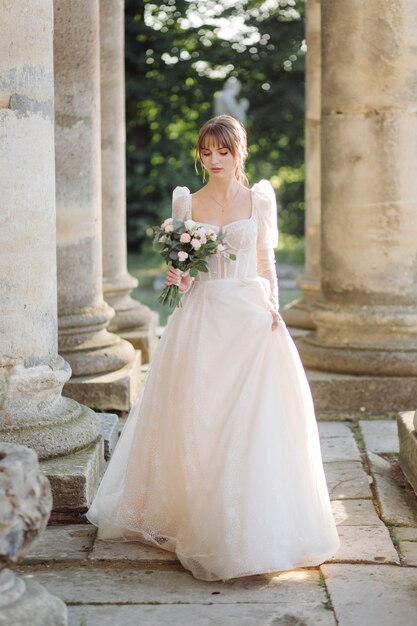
[{"x": 243, "y": 219}]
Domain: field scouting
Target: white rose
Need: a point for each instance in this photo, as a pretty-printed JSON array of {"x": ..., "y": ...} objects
[{"x": 196, "y": 244}]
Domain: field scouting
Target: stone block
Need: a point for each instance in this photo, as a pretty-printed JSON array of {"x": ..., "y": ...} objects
[
  {"x": 202, "y": 615},
  {"x": 408, "y": 447},
  {"x": 345, "y": 392},
  {"x": 380, "y": 436},
  {"x": 87, "y": 585},
  {"x": 130, "y": 551},
  {"x": 106, "y": 392},
  {"x": 109, "y": 429},
  {"x": 396, "y": 504},
  {"x": 70, "y": 542},
  {"x": 347, "y": 480},
  {"x": 355, "y": 513},
  {"x": 339, "y": 449},
  {"x": 74, "y": 478},
  {"x": 365, "y": 544},
  {"x": 364, "y": 595}
]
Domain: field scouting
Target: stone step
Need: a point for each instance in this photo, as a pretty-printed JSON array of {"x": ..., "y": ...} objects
[
  {"x": 63, "y": 543},
  {"x": 200, "y": 615},
  {"x": 297, "y": 591},
  {"x": 366, "y": 595}
]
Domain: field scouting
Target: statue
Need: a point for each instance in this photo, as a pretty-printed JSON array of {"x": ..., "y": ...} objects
[{"x": 226, "y": 103}]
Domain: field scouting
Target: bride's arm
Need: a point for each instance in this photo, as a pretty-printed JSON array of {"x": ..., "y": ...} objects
[{"x": 266, "y": 268}]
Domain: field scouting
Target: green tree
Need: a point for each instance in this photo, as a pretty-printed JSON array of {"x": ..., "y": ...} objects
[{"x": 178, "y": 54}]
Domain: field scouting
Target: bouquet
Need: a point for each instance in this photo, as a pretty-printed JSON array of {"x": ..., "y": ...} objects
[{"x": 186, "y": 246}]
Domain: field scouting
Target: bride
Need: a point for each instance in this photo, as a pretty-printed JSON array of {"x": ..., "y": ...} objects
[{"x": 219, "y": 460}]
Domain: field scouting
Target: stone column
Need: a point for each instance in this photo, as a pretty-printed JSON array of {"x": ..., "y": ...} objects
[
  {"x": 32, "y": 409},
  {"x": 133, "y": 320},
  {"x": 105, "y": 368},
  {"x": 367, "y": 317},
  {"x": 298, "y": 314}
]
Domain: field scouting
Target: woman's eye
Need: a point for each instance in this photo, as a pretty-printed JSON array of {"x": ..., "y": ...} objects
[{"x": 224, "y": 153}]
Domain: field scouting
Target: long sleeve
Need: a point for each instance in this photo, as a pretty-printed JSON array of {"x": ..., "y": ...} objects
[
  {"x": 266, "y": 268},
  {"x": 267, "y": 238}
]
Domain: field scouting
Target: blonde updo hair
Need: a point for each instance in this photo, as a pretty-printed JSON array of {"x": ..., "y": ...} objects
[{"x": 227, "y": 132}]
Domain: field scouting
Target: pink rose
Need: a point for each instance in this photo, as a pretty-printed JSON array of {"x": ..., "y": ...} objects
[
  {"x": 185, "y": 238},
  {"x": 168, "y": 228},
  {"x": 182, "y": 256},
  {"x": 196, "y": 244}
]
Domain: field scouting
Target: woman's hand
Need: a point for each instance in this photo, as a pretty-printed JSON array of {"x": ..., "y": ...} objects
[
  {"x": 276, "y": 319},
  {"x": 177, "y": 277}
]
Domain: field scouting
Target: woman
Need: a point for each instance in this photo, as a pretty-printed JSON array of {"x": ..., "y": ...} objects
[{"x": 220, "y": 459}]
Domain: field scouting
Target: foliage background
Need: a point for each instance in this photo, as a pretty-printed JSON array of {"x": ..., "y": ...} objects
[{"x": 178, "y": 54}]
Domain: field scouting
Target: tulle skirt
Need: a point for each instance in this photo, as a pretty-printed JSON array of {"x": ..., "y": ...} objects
[{"x": 219, "y": 460}]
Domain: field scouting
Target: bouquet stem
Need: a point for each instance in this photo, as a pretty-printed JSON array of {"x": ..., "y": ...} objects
[{"x": 170, "y": 296}]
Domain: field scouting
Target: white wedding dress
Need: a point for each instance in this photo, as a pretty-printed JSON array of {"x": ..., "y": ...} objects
[{"x": 220, "y": 460}]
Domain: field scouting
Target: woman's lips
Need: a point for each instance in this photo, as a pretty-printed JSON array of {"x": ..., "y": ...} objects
[{"x": 216, "y": 169}]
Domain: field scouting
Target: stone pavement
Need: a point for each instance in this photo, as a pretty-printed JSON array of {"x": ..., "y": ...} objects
[{"x": 372, "y": 580}]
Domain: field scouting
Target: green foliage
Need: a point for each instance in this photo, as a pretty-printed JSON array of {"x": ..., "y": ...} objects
[{"x": 178, "y": 54}]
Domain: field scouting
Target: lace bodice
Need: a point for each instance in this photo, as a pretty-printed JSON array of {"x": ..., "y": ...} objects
[{"x": 251, "y": 239}]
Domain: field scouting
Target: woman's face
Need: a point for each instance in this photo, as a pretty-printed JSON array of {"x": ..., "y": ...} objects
[{"x": 218, "y": 160}]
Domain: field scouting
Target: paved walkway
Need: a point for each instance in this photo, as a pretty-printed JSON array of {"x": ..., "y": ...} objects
[{"x": 372, "y": 580}]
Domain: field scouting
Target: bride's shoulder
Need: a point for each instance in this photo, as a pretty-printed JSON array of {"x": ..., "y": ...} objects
[
  {"x": 264, "y": 189},
  {"x": 265, "y": 199}
]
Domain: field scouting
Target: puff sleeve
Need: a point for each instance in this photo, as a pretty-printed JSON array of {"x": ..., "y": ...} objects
[
  {"x": 267, "y": 237},
  {"x": 180, "y": 203}
]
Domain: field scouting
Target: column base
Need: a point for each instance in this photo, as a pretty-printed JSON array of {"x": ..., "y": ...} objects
[
  {"x": 74, "y": 478},
  {"x": 298, "y": 314},
  {"x": 357, "y": 360},
  {"x": 37, "y": 416},
  {"x": 375, "y": 394},
  {"x": 144, "y": 339},
  {"x": 377, "y": 340},
  {"x": 112, "y": 391},
  {"x": 408, "y": 447},
  {"x": 35, "y": 606},
  {"x": 129, "y": 313}
]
